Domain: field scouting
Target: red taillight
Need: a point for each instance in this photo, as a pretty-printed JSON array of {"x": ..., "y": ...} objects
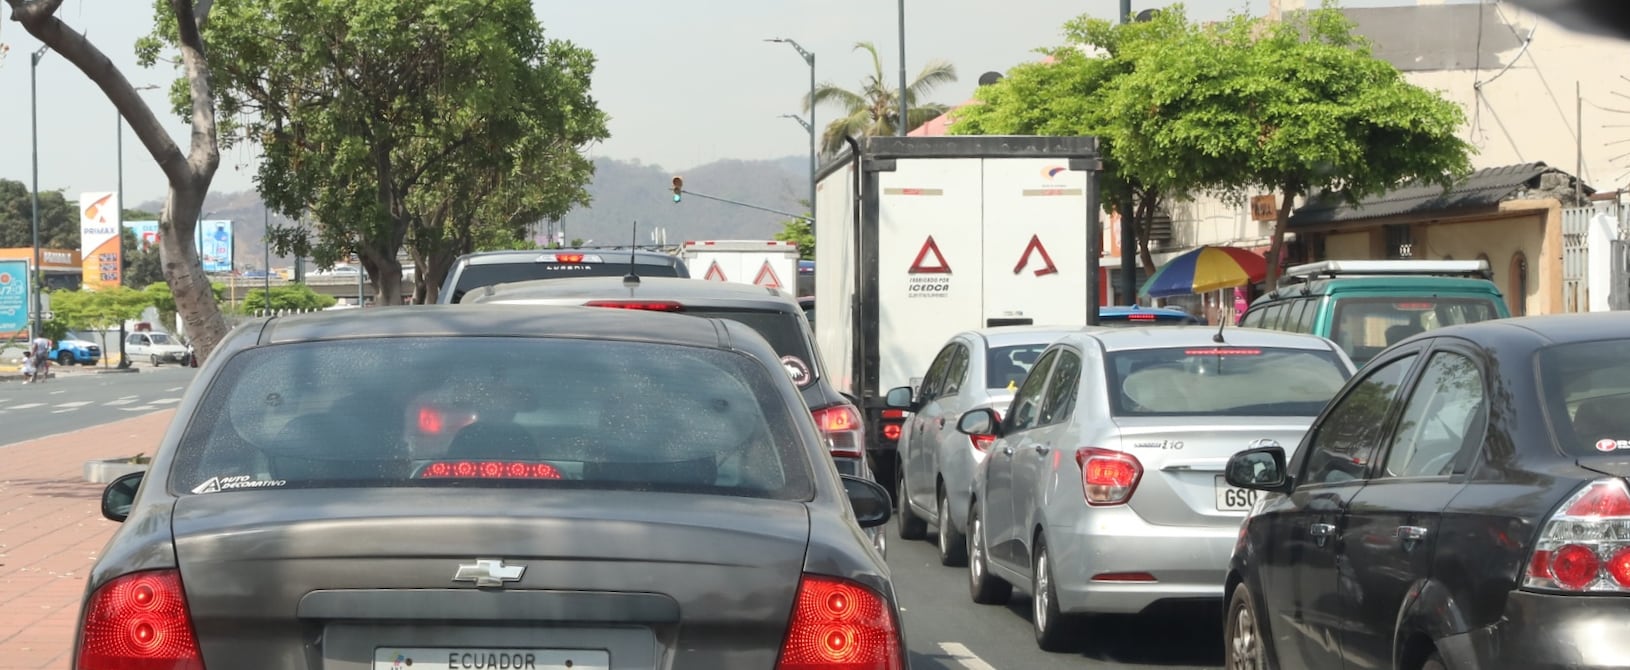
[
  {"x": 1583, "y": 547},
  {"x": 840, "y": 625},
  {"x": 139, "y": 622},
  {"x": 489, "y": 470},
  {"x": 648, "y": 305},
  {"x": 1108, "y": 477},
  {"x": 843, "y": 429},
  {"x": 891, "y": 432},
  {"x": 894, "y": 414}
]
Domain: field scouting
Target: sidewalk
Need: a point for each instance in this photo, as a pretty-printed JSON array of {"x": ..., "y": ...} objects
[{"x": 51, "y": 531}]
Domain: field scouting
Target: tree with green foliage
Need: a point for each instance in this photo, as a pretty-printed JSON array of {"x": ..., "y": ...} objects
[
  {"x": 800, "y": 232},
  {"x": 291, "y": 297},
  {"x": 874, "y": 108},
  {"x": 59, "y": 223},
  {"x": 98, "y": 311},
  {"x": 1297, "y": 107},
  {"x": 397, "y": 122},
  {"x": 143, "y": 265},
  {"x": 1064, "y": 97},
  {"x": 189, "y": 173}
]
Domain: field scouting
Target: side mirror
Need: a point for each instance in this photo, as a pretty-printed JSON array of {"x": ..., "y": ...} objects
[
  {"x": 899, "y": 397},
  {"x": 869, "y": 500},
  {"x": 981, "y": 422},
  {"x": 120, "y": 495},
  {"x": 1261, "y": 469}
]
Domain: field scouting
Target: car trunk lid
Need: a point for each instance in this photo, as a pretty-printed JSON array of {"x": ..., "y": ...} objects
[
  {"x": 1183, "y": 464},
  {"x": 366, "y": 578}
]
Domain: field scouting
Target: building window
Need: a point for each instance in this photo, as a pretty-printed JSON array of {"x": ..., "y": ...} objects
[
  {"x": 1519, "y": 284},
  {"x": 1400, "y": 241}
]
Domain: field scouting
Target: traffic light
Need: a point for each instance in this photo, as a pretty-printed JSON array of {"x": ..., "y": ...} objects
[{"x": 679, "y": 187}]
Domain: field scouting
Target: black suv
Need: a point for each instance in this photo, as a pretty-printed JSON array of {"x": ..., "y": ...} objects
[{"x": 473, "y": 271}]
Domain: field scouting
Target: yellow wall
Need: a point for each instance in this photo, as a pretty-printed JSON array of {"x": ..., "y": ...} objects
[
  {"x": 1500, "y": 240},
  {"x": 1348, "y": 246}
]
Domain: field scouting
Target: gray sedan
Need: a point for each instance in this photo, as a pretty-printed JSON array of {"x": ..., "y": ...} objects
[
  {"x": 621, "y": 489},
  {"x": 1104, "y": 491},
  {"x": 975, "y": 369}
]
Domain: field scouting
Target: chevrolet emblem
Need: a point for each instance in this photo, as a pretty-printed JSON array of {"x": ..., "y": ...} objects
[{"x": 489, "y": 572}]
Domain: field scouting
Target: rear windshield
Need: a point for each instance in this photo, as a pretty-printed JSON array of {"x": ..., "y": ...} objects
[
  {"x": 782, "y": 330},
  {"x": 477, "y": 276},
  {"x": 1223, "y": 381},
  {"x": 1588, "y": 388},
  {"x": 1364, "y": 327},
  {"x": 494, "y": 412},
  {"x": 1139, "y": 319},
  {"x": 1005, "y": 367}
]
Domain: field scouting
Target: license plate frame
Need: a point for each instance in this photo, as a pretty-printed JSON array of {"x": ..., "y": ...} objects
[
  {"x": 461, "y": 658},
  {"x": 1228, "y": 495}
]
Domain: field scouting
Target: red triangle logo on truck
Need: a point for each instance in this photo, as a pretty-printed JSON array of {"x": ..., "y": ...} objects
[
  {"x": 714, "y": 273},
  {"x": 929, "y": 247},
  {"x": 767, "y": 273},
  {"x": 1035, "y": 247}
]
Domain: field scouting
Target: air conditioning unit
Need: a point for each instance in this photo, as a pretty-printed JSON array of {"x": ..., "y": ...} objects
[{"x": 1160, "y": 230}]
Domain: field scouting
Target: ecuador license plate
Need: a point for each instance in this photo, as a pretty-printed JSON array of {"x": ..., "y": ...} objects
[{"x": 471, "y": 658}]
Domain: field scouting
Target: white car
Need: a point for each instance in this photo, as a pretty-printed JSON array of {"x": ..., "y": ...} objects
[{"x": 157, "y": 348}]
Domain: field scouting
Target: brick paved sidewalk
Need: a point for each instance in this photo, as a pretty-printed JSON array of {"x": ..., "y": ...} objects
[{"x": 51, "y": 531}]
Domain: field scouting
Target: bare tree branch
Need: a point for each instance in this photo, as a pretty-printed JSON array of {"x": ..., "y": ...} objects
[{"x": 205, "y": 154}]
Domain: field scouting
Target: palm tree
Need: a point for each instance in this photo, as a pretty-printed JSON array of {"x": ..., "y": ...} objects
[{"x": 874, "y": 109}]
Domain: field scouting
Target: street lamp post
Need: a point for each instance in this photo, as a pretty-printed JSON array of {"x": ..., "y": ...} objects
[
  {"x": 1129, "y": 230},
  {"x": 266, "y": 228},
  {"x": 901, "y": 130},
  {"x": 38, "y": 280},
  {"x": 809, "y": 57}
]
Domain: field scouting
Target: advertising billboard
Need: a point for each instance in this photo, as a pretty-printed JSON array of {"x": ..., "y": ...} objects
[
  {"x": 215, "y": 245},
  {"x": 13, "y": 296},
  {"x": 99, "y": 252},
  {"x": 146, "y": 233}
]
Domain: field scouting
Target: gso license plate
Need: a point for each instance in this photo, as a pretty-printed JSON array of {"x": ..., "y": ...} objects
[
  {"x": 472, "y": 658},
  {"x": 1231, "y": 499}
]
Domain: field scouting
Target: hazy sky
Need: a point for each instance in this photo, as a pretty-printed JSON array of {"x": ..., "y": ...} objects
[{"x": 685, "y": 83}]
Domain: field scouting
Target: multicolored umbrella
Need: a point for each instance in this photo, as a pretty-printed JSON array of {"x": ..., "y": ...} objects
[{"x": 1205, "y": 269}]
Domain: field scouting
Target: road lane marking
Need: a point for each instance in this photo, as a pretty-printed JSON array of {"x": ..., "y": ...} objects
[
  {"x": 173, "y": 390},
  {"x": 74, "y": 405},
  {"x": 962, "y": 655},
  {"x": 122, "y": 401},
  {"x": 141, "y": 408},
  {"x": 166, "y": 401},
  {"x": 27, "y": 405}
]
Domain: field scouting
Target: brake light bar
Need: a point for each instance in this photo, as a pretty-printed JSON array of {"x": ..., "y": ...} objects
[
  {"x": 489, "y": 470},
  {"x": 649, "y": 305},
  {"x": 569, "y": 258}
]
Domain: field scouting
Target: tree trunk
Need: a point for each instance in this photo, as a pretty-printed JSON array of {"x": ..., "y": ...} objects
[
  {"x": 433, "y": 272},
  {"x": 1147, "y": 205},
  {"x": 189, "y": 175},
  {"x": 1276, "y": 248}
]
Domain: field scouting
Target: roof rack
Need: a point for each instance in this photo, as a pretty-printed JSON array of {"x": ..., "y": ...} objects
[{"x": 1365, "y": 268}]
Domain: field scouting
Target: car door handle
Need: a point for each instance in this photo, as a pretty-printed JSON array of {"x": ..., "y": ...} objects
[
  {"x": 1041, "y": 448},
  {"x": 1409, "y": 535},
  {"x": 1321, "y": 532},
  {"x": 1007, "y": 451}
]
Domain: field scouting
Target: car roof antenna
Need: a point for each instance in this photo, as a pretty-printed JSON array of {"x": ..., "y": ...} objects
[
  {"x": 632, "y": 279},
  {"x": 1222, "y": 321}
]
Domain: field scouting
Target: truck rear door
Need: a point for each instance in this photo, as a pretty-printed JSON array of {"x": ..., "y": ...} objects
[
  {"x": 1035, "y": 241},
  {"x": 931, "y": 265}
]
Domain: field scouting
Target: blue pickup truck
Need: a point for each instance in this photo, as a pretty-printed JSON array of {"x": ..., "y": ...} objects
[{"x": 77, "y": 348}]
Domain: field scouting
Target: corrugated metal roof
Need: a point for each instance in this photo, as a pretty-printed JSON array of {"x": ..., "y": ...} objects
[{"x": 1481, "y": 189}]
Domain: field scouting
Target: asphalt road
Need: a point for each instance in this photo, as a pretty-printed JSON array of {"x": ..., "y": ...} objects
[
  {"x": 945, "y": 630},
  {"x": 81, "y": 398}
]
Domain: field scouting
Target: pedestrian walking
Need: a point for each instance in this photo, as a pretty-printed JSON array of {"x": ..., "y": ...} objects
[{"x": 41, "y": 354}]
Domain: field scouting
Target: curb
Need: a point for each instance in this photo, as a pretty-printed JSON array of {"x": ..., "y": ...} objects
[
  {"x": 17, "y": 376},
  {"x": 117, "y": 371}
]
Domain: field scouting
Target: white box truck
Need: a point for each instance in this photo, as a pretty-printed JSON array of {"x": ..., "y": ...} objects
[
  {"x": 767, "y": 263},
  {"x": 921, "y": 238}
]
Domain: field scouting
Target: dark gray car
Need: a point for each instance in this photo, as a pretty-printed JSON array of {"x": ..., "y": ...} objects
[
  {"x": 473, "y": 271},
  {"x": 492, "y": 486}
]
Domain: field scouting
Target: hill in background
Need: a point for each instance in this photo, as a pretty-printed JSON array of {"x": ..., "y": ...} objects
[{"x": 623, "y": 192}]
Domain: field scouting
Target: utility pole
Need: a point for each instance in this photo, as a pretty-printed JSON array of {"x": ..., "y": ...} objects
[
  {"x": 1129, "y": 230},
  {"x": 814, "y": 137},
  {"x": 37, "y": 281}
]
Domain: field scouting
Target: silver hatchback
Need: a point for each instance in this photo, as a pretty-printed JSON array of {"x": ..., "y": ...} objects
[{"x": 1104, "y": 490}]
